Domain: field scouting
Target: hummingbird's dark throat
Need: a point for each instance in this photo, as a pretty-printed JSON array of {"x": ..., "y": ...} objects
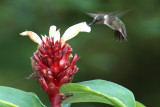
[{"x": 95, "y": 21}]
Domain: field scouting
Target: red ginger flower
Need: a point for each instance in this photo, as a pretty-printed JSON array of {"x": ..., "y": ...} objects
[{"x": 52, "y": 62}]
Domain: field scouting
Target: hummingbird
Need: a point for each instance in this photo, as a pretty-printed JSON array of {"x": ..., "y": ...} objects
[{"x": 112, "y": 20}]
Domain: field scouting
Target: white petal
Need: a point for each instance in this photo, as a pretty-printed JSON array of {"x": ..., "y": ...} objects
[
  {"x": 44, "y": 38},
  {"x": 52, "y": 31},
  {"x": 74, "y": 30},
  {"x": 32, "y": 35},
  {"x": 57, "y": 36}
]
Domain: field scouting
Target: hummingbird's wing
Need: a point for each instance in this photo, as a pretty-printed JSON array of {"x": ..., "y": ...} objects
[
  {"x": 115, "y": 13},
  {"x": 120, "y": 14},
  {"x": 103, "y": 13},
  {"x": 94, "y": 14}
]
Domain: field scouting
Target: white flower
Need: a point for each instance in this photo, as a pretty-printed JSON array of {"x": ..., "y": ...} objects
[
  {"x": 32, "y": 35},
  {"x": 69, "y": 33}
]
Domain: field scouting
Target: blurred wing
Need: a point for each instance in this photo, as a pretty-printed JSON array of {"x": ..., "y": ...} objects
[
  {"x": 120, "y": 14},
  {"x": 95, "y": 14},
  {"x": 115, "y": 13},
  {"x": 92, "y": 14}
]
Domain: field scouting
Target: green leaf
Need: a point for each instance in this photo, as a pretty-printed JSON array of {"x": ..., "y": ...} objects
[
  {"x": 7, "y": 104},
  {"x": 10, "y": 97},
  {"x": 98, "y": 91},
  {"x": 138, "y": 104}
]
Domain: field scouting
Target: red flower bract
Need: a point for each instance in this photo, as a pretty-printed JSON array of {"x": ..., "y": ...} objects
[
  {"x": 53, "y": 67},
  {"x": 53, "y": 63}
]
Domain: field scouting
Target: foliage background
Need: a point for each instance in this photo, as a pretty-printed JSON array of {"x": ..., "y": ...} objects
[{"x": 135, "y": 64}]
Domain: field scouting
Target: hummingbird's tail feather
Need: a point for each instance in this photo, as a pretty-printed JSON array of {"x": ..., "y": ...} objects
[{"x": 119, "y": 36}]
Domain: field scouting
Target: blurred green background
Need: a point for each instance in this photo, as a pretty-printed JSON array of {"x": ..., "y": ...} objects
[{"x": 134, "y": 64}]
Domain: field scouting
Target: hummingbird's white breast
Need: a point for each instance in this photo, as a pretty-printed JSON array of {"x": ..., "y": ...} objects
[{"x": 106, "y": 17}]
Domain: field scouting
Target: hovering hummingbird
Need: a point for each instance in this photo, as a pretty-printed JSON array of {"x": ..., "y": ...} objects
[{"x": 111, "y": 20}]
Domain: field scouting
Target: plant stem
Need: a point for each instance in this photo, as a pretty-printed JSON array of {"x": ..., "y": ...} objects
[{"x": 56, "y": 100}]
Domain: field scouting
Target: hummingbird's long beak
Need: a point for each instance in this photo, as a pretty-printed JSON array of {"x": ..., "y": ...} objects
[{"x": 92, "y": 22}]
